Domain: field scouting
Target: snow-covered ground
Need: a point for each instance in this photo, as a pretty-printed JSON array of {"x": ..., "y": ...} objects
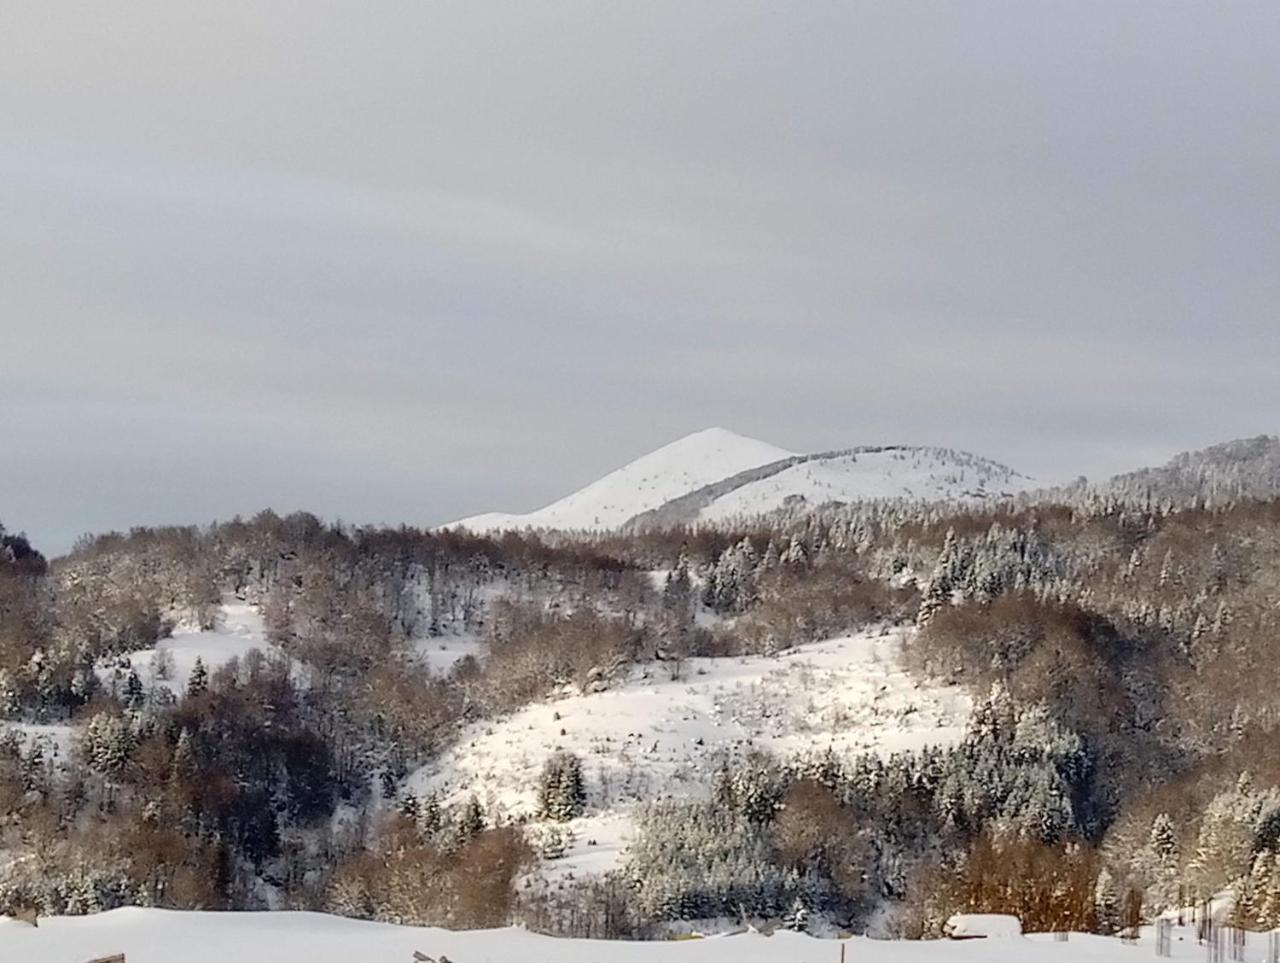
[
  {"x": 239, "y": 630},
  {"x": 55, "y": 739},
  {"x": 652, "y": 737},
  {"x": 159, "y": 936},
  {"x": 716, "y": 476},
  {"x": 442, "y": 653},
  {"x": 647, "y": 483},
  {"x": 913, "y": 473}
]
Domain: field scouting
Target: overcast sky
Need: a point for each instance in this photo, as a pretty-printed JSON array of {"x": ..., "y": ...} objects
[{"x": 410, "y": 261}]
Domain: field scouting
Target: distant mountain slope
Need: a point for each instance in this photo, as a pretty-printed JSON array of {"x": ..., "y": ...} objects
[
  {"x": 715, "y": 476},
  {"x": 916, "y": 473},
  {"x": 855, "y": 474},
  {"x": 1244, "y": 468},
  {"x": 647, "y": 483}
]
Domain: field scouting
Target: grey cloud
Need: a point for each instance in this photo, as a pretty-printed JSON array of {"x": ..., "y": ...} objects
[{"x": 411, "y": 261}]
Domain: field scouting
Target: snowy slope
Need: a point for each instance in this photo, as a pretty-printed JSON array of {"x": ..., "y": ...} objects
[
  {"x": 716, "y": 476},
  {"x": 54, "y": 739},
  {"x": 1244, "y": 468},
  {"x": 930, "y": 474},
  {"x": 444, "y": 652},
  {"x": 653, "y": 737},
  {"x": 160, "y": 936},
  {"x": 239, "y": 630},
  {"x": 647, "y": 483}
]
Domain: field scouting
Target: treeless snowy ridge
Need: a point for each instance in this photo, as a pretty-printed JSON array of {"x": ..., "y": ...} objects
[
  {"x": 715, "y": 476},
  {"x": 647, "y": 483},
  {"x": 925, "y": 474},
  {"x": 160, "y": 936}
]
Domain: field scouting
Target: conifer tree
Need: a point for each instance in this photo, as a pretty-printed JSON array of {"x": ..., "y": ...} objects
[
  {"x": 430, "y": 819},
  {"x": 797, "y": 918},
  {"x": 471, "y": 822},
  {"x": 134, "y": 696},
  {"x": 184, "y": 758},
  {"x": 198, "y": 683},
  {"x": 562, "y": 793}
]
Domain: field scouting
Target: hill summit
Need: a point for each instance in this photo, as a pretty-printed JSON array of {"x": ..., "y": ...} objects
[{"x": 717, "y": 475}]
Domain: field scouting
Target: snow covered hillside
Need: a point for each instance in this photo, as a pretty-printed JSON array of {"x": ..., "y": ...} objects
[
  {"x": 160, "y": 936},
  {"x": 861, "y": 474},
  {"x": 654, "y": 737},
  {"x": 1244, "y": 468},
  {"x": 715, "y": 476},
  {"x": 647, "y": 483},
  {"x": 238, "y": 631}
]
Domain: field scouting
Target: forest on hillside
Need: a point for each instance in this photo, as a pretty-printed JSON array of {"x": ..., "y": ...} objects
[{"x": 1119, "y": 650}]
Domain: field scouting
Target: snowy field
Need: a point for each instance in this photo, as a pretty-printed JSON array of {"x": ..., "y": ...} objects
[
  {"x": 54, "y": 739},
  {"x": 653, "y": 737},
  {"x": 239, "y": 630},
  {"x": 159, "y": 936},
  {"x": 443, "y": 652}
]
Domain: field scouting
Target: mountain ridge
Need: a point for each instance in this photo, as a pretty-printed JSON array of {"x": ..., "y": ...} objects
[
  {"x": 712, "y": 503},
  {"x": 715, "y": 474},
  {"x": 648, "y": 482}
]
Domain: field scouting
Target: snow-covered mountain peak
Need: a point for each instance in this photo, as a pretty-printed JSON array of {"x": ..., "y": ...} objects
[
  {"x": 706, "y": 453},
  {"x": 716, "y": 476},
  {"x": 649, "y": 482}
]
